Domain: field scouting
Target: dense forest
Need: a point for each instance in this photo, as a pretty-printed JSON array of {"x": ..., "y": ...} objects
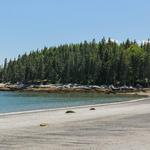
[{"x": 104, "y": 62}]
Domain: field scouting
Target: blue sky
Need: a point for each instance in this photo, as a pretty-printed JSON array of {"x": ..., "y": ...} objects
[{"x": 30, "y": 24}]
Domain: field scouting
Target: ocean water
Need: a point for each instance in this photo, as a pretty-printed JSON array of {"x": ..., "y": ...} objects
[{"x": 23, "y": 101}]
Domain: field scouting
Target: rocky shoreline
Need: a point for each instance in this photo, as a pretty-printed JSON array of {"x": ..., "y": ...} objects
[{"x": 51, "y": 88}]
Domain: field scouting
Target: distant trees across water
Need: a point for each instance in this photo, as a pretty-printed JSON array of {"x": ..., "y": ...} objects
[{"x": 104, "y": 62}]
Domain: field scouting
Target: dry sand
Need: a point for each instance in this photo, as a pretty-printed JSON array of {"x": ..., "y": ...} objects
[{"x": 119, "y": 126}]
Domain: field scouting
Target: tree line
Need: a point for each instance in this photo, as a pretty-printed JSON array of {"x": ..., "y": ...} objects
[{"x": 103, "y": 62}]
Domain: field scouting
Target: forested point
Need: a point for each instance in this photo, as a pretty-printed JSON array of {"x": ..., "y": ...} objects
[{"x": 105, "y": 62}]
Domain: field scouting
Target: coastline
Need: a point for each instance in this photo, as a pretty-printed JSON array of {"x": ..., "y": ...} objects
[
  {"x": 110, "y": 126},
  {"x": 66, "y": 88},
  {"x": 42, "y": 112},
  {"x": 72, "y": 108}
]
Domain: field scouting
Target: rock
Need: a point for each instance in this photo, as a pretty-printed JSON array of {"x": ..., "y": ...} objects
[
  {"x": 70, "y": 111},
  {"x": 92, "y": 109},
  {"x": 43, "y": 124}
]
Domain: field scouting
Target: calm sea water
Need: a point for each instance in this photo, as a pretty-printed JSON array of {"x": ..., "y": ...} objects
[{"x": 21, "y": 101}]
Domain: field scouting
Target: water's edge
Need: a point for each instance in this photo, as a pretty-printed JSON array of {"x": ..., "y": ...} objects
[{"x": 75, "y": 107}]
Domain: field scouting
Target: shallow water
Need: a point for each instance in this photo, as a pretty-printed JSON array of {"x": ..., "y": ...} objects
[{"x": 23, "y": 101}]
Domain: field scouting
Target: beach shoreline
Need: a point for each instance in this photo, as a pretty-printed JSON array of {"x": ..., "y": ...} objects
[
  {"x": 83, "y": 108},
  {"x": 72, "y": 108},
  {"x": 80, "y": 126}
]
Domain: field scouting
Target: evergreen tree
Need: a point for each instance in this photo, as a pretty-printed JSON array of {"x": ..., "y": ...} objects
[{"x": 104, "y": 62}]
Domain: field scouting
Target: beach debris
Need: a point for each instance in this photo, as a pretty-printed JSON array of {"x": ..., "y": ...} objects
[
  {"x": 92, "y": 108},
  {"x": 43, "y": 124},
  {"x": 70, "y": 111}
]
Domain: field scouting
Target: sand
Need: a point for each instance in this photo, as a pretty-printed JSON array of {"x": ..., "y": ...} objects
[{"x": 118, "y": 126}]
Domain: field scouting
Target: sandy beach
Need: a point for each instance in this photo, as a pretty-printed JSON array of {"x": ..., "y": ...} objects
[{"x": 118, "y": 126}]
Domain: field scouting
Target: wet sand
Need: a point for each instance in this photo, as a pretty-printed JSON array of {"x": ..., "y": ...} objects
[{"x": 119, "y": 126}]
